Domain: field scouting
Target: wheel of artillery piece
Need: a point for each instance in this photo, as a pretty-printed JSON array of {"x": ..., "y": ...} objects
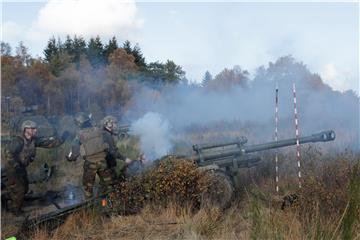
[{"x": 219, "y": 191}]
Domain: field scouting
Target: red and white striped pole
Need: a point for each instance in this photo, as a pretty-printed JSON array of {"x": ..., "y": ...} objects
[
  {"x": 297, "y": 136},
  {"x": 276, "y": 136}
]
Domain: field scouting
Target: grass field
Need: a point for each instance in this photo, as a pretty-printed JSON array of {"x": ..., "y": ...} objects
[{"x": 327, "y": 208}]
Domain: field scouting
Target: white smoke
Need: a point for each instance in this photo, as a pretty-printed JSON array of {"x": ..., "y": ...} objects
[
  {"x": 250, "y": 111},
  {"x": 155, "y": 135}
]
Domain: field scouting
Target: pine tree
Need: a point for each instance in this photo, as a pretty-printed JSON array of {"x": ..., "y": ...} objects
[
  {"x": 139, "y": 58},
  {"x": 110, "y": 48},
  {"x": 69, "y": 46},
  {"x": 164, "y": 73},
  {"x": 95, "y": 52},
  {"x": 207, "y": 78},
  {"x": 136, "y": 52},
  {"x": 156, "y": 70},
  {"x": 173, "y": 72},
  {"x": 127, "y": 47},
  {"x": 79, "y": 48},
  {"x": 51, "y": 49}
]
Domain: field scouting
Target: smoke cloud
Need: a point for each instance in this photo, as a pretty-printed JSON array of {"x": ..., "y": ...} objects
[
  {"x": 249, "y": 111},
  {"x": 154, "y": 131}
]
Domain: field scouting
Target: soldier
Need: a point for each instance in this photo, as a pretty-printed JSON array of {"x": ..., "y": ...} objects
[
  {"x": 115, "y": 160},
  {"x": 18, "y": 154},
  {"x": 94, "y": 145}
]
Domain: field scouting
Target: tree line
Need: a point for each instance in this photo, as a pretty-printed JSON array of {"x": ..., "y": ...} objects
[
  {"x": 79, "y": 75},
  {"x": 92, "y": 76}
]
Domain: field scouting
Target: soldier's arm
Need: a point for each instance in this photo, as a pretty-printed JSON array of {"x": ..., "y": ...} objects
[
  {"x": 11, "y": 149},
  {"x": 74, "y": 150},
  {"x": 117, "y": 153},
  {"x": 51, "y": 142},
  {"x": 112, "y": 148}
]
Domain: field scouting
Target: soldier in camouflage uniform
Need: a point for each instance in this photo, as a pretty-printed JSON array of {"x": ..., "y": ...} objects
[
  {"x": 18, "y": 154},
  {"x": 115, "y": 160},
  {"x": 94, "y": 145}
]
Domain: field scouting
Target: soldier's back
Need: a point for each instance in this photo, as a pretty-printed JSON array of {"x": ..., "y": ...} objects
[{"x": 92, "y": 142}]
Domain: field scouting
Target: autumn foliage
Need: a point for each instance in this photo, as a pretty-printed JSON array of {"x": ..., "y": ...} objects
[
  {"x": 170, "y": 180},
  {"x": 76, "y": 75}
]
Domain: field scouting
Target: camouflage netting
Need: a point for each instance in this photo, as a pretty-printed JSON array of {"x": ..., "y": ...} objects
[{"x": 169, "y": 180}]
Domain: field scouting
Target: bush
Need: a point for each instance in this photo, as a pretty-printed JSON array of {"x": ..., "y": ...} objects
[{"x": 169, "y": 180}]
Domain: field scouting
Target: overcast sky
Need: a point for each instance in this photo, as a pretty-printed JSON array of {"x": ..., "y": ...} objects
[{"x": 204, "y": 35}]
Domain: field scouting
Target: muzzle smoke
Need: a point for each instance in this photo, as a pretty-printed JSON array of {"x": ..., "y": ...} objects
[{"x": 154, "y": 132}]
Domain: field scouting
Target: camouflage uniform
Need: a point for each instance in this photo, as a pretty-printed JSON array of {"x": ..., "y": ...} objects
[
  {"x": 19, "y": 152},
  {"x": 114, "y": 158},
  {"x": 93, "y": 144}
]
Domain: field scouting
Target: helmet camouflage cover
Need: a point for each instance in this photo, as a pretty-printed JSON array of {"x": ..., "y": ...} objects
[
  {"x": 28, "y": 124},
  {"x": 109, "y": 121}
]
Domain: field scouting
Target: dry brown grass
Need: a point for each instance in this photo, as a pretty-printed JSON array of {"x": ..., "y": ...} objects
[
  {"x": 172, "y": 222},
  {"x": 328, "y": 203},
  {"x": 175, "y": 222}
]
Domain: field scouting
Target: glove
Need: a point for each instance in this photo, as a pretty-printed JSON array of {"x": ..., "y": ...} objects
[
  {"x": 70, "y": 157},
  {"x": 128, "y": 161}
]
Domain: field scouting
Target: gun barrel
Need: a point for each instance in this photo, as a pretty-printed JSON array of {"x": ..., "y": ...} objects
[{"x": 324, "y": 136}]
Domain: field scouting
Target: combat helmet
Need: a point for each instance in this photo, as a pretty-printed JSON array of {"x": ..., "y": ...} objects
[
  {"x": 110, "y": 122},
  {"x": 81, "y": 119},
  {"x": 28, "y": 124}
]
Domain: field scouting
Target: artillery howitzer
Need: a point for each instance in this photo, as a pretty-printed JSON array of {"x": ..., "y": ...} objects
[
  {"x": 224, "y": 160},
  {"x": 236, "y": 154}
]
